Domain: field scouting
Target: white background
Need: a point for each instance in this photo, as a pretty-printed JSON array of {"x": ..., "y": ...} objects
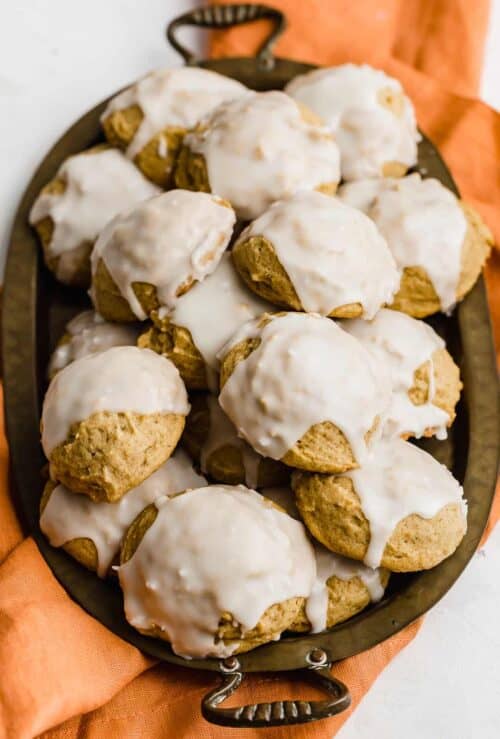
[{"x": 57, "y": 59}]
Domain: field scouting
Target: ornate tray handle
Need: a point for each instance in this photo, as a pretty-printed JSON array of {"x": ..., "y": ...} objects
[
  {"x": 226, "y": 16},
  {"x": 277, "y": 713}
]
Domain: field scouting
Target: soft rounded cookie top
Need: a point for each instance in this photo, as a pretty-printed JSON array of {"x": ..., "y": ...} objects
[
  {"x": 88, "y": 333},
  {"x": 88, "y": 190},
  {"x": 424, "y": 380},
  {"x": 167, "y": 243},
  {"x": 210, "y": 312},
  {"x": 371, "y": 117},
  {"x": 213, "y": 442},
  {"x": 212, "y": 552},
  {"x": 263, "y": 147},
  {"x": 401, "y": 509},
  {"x": 332, "y": 255},
  {"x": 121, "y": 379},
  {"x": 295, "y": 371},
  {"x": 172, "y": 98},
  {"x": 68, "y": 517},
  {"x": 439, "y": 242}
]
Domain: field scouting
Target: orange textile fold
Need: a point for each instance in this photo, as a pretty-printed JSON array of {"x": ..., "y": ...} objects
[{"x": 63, "y": 675}]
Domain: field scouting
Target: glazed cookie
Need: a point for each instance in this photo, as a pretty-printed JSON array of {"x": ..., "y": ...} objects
[
  {"x": 201, "y": 322},
  {"x": 88, "y": 333},
  {"x": 371, "y": 117},
  {"x": 215, "y": 571},
  {"x": 146, "y": 258},
  {"x": 110, "y": 419},
  {"x": 212, "y": 442},
  {"x": 149, "y": 119},
  {"x": 92, "y": 532},
  {"x": 301, "y": 390},
  {"x": 342, "y": 588},
  {"x": 424, "y": 379},
  {"x": 401, "y": 510},
  {"x": 313, "y": 253},
  {"x": 440, "y": 244},
  {"x": 257, "y": 149},
  {"x": 88, "y": 190}
]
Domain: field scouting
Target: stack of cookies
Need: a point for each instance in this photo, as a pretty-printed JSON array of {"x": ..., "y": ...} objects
[{"x": 230, "y": 428}]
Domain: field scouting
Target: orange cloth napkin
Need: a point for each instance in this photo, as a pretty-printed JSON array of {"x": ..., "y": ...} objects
[{"x": 57, "y": 663}]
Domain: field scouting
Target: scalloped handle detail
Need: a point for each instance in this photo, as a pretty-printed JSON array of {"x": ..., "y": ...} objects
[
  {"x": 227, "y": 16},
  {"x": 277, "y": 713}
]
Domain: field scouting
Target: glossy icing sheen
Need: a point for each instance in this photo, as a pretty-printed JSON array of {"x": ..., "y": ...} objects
[
  {"x": 403, "y": 344},
  {"x": 424, "y": 226},
  {"x": 69, "y": 516},
  {"x": 332, "y": 253},
  {"x": 122, "y": 379},
  {"x": 349, "y": 98},
  {"x": 259, "y": 149},
  {"x": 168, "y": 242},
  {"x": 211, "y": 551},
  {"x": 172, "y": 98},
  {"x": 328, "y": 565},
  {"x": 306, "y": 370},
  {"x": 88, "y": 334},
  {"x": 99, "y": 185},
  {"x": 221, "y": 432},
  {"x": 397, "y": 480},
  {"x": 214, "y": 308}
]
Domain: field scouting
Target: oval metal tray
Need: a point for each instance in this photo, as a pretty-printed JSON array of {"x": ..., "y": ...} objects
[{"x": 35, "y": 309}]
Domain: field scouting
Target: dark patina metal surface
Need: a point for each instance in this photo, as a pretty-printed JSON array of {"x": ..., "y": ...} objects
[{"x": 35, "y": 311}]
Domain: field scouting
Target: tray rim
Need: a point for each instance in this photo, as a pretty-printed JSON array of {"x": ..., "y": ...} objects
[{"x": 22, "y": 405}]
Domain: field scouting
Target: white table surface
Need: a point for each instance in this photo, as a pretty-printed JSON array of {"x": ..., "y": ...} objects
[{"x": 57, "y": 58}]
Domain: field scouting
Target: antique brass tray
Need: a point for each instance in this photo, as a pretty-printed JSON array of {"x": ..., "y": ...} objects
[{"x": 36, "y": 309}]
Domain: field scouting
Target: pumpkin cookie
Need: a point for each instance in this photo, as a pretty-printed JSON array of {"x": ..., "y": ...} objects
[
  {"x": 215, "y": 571},
  {"x": 371, "y": 117},
  {"x": 88, "y": 190},
  {"x": 301, "y": 390},
  {"x": 150, "y": 119},
  {"x": 109, "y": 420},
  {"x": 401, "y": 510},
  {"x": 148, "y": 257},
  {"x": 440, "y": 243},
  {"x": 257, "y": 149},
  {"x": 313, "y": 253}
]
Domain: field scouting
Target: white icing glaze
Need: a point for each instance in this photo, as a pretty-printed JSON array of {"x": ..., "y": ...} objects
[
  {"x": 402, "y": 344},
  {"x": 167, "y": 242},
  {"x": 173, "y": 97},
  {"x": 99, "y": 185},
  {"x": 332, "y": 253},
  {"x": 89, "y": 333},
  {"x": 328, "y": 564},
  {"x": 214, "y": 550},
  {"x": 69, "y": 516},
  {"x": 213, "y": 309},
  {"x": 306, "y": 370},
  {"x": 424, "y": 226},
  {"x": 259, "y": 149},
  {"x": 369, "y": 134},
  {"x": 122, "y": 379},
  {"x": 397, "y": 480},
  {"x": 361, "y": 194},
  {"x": 221, "y": 432}
]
